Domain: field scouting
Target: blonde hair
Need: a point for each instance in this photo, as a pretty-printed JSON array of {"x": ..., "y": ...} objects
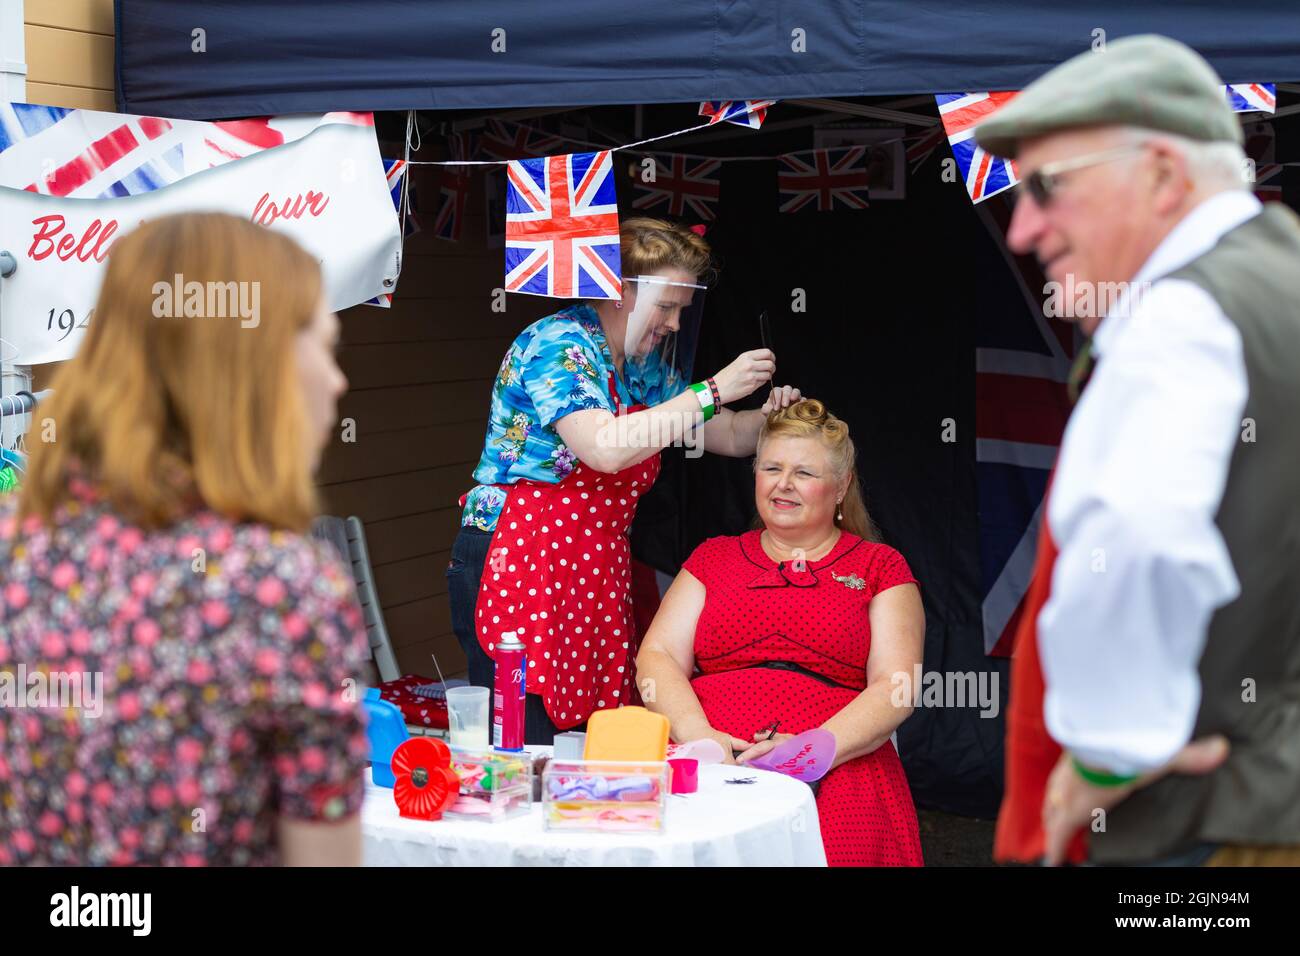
[
  {"x": 158, "y": 411},
  {"x": 647, "y": 246},
  {"x": 809, "y": 418}
]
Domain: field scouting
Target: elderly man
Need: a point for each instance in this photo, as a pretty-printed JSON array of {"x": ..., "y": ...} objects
[{"x": 1155, "y": 698}]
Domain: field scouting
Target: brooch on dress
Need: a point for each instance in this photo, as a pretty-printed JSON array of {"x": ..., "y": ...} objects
[{"x": 851, "y": 581}]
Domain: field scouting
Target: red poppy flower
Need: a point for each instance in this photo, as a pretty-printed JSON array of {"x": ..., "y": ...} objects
[{"x": 424, "y": 783}]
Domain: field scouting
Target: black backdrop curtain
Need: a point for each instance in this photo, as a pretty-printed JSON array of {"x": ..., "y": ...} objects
[{"x": 893, "y": 296}]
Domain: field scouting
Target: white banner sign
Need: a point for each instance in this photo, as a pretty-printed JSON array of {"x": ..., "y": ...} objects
[{"x": 317, "y": 179}]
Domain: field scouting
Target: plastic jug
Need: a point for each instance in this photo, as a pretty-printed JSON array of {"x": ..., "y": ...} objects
[{"x": 386, "y": 730}]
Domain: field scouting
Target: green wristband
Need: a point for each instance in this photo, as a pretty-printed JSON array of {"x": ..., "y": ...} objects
[
  {"x": 1100, "y": 778},
  {"x": 705, "y": 397}
]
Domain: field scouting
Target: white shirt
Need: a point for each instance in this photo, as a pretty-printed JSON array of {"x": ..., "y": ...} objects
[{"x": 1142, "y": 566}]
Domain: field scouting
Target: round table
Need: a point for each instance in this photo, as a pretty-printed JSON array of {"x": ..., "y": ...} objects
[{"x": 770, "y": 822}]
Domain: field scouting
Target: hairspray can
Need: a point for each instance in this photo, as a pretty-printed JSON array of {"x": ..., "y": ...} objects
[{"x": 508, "y": 693}]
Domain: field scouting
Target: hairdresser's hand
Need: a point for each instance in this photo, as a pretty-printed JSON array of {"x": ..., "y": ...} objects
[
  {"x": 745, "y": 374},
  {"x": 783, "y": 396}
]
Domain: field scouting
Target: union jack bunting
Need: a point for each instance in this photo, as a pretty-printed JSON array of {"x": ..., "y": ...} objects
[
  {"x": 1260, "y": 144},
  {"x": 453, "y": 189},
  {"x": 823, "y": 179},
  {"x": 502, "y": 139},
  {"x": 562, "y": 227},
  {"x": 1252, "y": 97},
  {"x": 1022, "y": 364},
  {"x": 682, "y": 185},
  {"x": 395, "y": 171},
  {"x": 985, "y": 175},
  {"x": 920, "y": 147},
  {"x": 749, "y": 113},
  {"x": 98, "y": 155}
]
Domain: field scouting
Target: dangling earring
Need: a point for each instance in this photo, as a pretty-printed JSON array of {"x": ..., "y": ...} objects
[{"x": 839, "y": 513}]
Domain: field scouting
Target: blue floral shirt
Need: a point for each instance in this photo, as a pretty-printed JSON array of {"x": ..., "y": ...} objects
[{"x": 558, "y": 365}]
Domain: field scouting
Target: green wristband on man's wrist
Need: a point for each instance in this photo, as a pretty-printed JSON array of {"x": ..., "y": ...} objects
[{"x": 1100, "y": 778}]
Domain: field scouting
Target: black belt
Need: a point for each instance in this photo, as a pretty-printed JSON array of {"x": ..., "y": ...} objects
[{"x": 798, "y": 669}]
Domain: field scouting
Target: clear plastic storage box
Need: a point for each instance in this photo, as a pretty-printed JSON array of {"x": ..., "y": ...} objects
[
  {"x": 605, "y": 795},
  {"x": 493, "y": 785}
]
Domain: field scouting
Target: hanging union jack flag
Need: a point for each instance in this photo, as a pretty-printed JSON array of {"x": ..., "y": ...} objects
[
  {"x": 920, "y": 146},
  {"x": 682, "y": 185},
  {"x": 106, "y": 155},
  {"x": 562, "y": 227},
  {"x": 502, "y": 139},
  {"x": 985, "y": 174},
  {"x": 395, "y": 171},
  {"x": 1260, "y": 144},
  {"x": 749, "y": 113},
  {"x": 1022, "y": 364},
  {"x": 823, "y": 179},
  {"x": 1252, "y": 97},
  {"x": 453, "y": 189}
]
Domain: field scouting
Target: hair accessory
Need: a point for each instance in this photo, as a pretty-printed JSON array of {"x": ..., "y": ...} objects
[{"x": 700, "y": 229}]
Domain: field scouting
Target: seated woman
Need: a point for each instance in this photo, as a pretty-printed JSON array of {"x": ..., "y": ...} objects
[{"x": 803, "y": 622}]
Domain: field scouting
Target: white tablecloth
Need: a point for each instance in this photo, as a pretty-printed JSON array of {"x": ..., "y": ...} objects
[{"x": 771, "y": 822}]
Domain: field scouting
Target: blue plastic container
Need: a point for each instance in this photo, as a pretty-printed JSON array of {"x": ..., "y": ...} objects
[{"x": 386, "y": 729}]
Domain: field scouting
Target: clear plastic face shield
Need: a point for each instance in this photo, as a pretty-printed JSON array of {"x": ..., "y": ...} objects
[{"x": 664, "y": 313}]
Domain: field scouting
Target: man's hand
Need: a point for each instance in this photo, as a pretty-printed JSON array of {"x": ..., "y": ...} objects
[{"x": 1071, "y": 801}]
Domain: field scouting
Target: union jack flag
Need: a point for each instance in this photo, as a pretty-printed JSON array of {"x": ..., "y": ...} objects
[
  {"x": 749, "y": 113},
  {"x": 1022, "y": 364},
  {"x": 985, "y": 174},
  {"x": 1252, "y": 97},
  {"x": 562, "y": 234},
  {"x": 502, "y": 139},
  {"x": 1260, "y": 145},
  {"x": 681, "y": 183},
  {"x": 87, "y": 154},
  {"x": 921, "y": 146},
  {"x": 453, "y": 189},
  {"x": 395, "y": 171},
  {"x": 830, "y": 178}
]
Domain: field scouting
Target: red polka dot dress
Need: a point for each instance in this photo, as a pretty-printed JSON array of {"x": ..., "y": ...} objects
[
  {"x": 757, "y": 613},
  {"x": 559, "y": 573}
]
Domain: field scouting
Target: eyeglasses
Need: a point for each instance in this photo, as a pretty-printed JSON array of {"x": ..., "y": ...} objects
[{"x": 1043, "y": 182}]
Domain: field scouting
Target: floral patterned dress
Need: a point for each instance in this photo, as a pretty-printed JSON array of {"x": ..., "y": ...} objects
[{"x": 214, "y": 660}]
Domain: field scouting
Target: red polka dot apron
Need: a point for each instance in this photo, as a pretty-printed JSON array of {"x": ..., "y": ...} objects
[{"x": 559, "y": 573}]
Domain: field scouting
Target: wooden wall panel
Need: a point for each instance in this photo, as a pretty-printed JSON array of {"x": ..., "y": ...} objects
[
  {"x": 420, "y": 377},
  {"x": 69, "y": 58},
  {"x": 69, "y": 53}
]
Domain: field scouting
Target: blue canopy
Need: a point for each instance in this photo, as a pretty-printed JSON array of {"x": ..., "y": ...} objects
[{"x": 296, "y": 56}]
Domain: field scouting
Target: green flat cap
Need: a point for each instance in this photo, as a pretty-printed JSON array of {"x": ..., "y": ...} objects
[{"x": 1148, "y": 81}]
